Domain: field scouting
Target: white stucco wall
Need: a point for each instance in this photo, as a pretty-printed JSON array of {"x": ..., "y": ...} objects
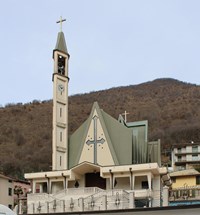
[
  {"x": 123, "y": 183},
  {"x": 104, "y": 156},
  {"x": 5, "y": 199}
]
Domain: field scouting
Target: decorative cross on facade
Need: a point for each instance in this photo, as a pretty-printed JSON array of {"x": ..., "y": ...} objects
[
  {"x": 95, "y": 141},
  {"x": 61, "y": 21},
  {"x": 125, "y": 115}
]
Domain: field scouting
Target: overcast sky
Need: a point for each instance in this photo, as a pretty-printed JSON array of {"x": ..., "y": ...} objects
[{"x": 111, "y": 43}]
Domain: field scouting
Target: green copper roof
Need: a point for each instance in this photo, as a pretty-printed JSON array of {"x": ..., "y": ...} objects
[
  {"x": 154, "y": 152},
  {"x": 128, "y": 143},
  {"x": 61, "y": 44},
  {"x": 76, "y": 142},
  {"x": 121, "y": 139}
]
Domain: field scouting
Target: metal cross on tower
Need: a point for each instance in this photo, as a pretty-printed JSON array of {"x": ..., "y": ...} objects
[
  {"x": 61, "y": 21},
  {"x": 95, "y": 141}
]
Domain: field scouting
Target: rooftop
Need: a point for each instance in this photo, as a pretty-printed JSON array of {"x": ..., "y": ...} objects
[{"x": 186, "y": 172}]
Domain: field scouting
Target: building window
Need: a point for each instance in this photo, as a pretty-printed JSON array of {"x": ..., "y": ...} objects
[
  {"x": 61, "y": 136},
  {"x": 60, "y": 160},
  {"x": 198, "y": 180},
  {"x": 173, "y": 180},
  {"x": 179, "y": 150},
  {"x": 179, "y": 168},
  {"x": 194, "y": 157},
  {"x": 194, "y": 149},
  {"x": 61, "y": 65},
  {"x": 60, "y": 112},
  {"x": 10, "y": 191},
  {"x": 145, "y": 185},
  {"x": 179, "y": 158}
]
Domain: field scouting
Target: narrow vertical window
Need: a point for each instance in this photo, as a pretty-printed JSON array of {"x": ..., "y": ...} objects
[
  {"x": 10, "y": 191},
  {"x": 60, "y": 160},
  {"x": 194, "y": 149},
  {"x": 61, "y": 65},
  {"x": 60, "y": 112},
  {"x": 61, "y": 136}
]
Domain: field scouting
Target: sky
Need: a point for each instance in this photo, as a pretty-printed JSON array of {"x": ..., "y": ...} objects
[{"x": 111, "y": 43}]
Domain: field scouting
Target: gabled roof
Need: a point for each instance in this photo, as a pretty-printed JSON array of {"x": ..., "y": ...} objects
[
  {"x": 6, "y": 177},
  {"x": 86, "y": 167},
  {"x": 118, "y": 136},
  {"x": 186, "y": 172},
  {"x": 77, "y": 139},
  {"x": 107, "y": 134},
  {"x": 121, "y": 139},
  {"x": 75, "y": 144}
]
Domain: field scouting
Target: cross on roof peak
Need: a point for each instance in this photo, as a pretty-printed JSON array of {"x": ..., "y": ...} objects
[
  {"x": 61, "y": 21},
  {"x": 125, "y": 115}
]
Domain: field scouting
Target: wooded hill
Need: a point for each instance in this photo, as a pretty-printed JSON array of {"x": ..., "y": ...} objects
[{"x": 171, "y": 107}]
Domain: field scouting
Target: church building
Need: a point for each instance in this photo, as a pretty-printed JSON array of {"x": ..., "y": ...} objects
[{"x": 105, "y": 164}]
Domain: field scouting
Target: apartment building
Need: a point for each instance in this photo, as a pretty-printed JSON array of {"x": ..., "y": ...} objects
[{"x": 185, "y": 156}]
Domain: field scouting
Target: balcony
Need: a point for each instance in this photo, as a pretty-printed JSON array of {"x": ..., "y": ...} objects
[
  {"x": 180, "y": 151},
  {"x": 186, "y": 160},
  {"x": 187, "y": 150}
]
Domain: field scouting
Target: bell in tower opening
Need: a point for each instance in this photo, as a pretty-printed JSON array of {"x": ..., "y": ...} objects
[{"x": 61, "y": 65}]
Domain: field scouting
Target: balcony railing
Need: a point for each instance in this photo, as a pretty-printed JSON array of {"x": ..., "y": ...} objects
[
  {"x": 144, "y": 193},
  {"x": 190, "y": 150},
  {"x": 71, "y": 200},
  {"x": 185, "y": 160}
]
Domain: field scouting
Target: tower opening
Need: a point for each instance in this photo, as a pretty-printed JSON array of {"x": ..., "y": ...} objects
[{"x": 61, "y": 65}]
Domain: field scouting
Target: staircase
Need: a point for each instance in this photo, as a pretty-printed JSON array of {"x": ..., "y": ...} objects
[
  {"x": 79, "y": 199},
  {"x": 65, "y": 200}
]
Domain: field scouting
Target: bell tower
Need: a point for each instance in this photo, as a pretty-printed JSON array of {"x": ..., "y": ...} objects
[{"x": 60, "y": 103}]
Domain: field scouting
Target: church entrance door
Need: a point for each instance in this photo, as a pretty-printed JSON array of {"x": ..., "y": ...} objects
[{"x": 95, "y": 180}]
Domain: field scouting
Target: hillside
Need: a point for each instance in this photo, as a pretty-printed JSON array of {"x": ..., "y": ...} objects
[{"x": 172, "y": 108}]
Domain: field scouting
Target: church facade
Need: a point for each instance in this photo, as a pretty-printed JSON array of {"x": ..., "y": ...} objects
[{"x": 105, "y": 164}]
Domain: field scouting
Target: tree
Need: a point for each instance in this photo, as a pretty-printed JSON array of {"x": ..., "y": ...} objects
[{"x": 18, "y": 191}]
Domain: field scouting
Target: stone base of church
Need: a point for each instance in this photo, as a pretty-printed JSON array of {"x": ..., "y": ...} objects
[
  {"x": 89, "y": 187},
  {"x": 91, "y": 199},
  {"x": 175, "y": 210}
]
